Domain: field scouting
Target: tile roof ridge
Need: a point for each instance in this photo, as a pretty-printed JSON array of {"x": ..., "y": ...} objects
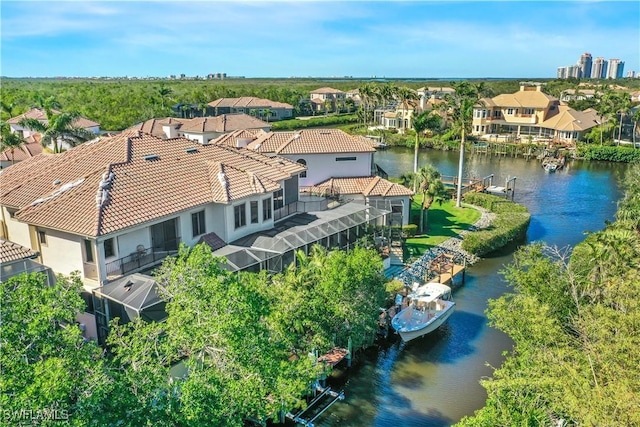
[
  {"x": 372, "y": 184},
  {"x": 218, "y": 168},
  {"x": 296, "y": 135}
]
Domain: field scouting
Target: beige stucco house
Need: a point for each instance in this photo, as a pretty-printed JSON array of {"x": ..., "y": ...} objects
[{"x": 532, "y": 114}]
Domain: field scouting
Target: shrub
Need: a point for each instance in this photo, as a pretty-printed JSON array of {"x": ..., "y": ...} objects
[
  {"x": 294, "y": 124},
  {"x": 410, "y": 230},
  {"x": 511, "y": 223},
  {"x": 610, "y": 153}
]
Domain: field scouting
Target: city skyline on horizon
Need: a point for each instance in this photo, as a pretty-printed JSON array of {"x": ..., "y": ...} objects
[{"x": 385, "y": 39}]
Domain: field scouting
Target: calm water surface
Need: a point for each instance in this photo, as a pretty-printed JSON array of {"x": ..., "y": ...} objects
[{"x": 434, "y": 381}]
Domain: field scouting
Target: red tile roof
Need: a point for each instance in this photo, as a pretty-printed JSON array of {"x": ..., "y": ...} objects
[
  {"x": 41, "y": 115},
  {"x": 310, "y": 141},
  {"x": 10, "y": 251},
  {"x": 248, "y": 102},
  {"x": 154, "y": 126},
  {"x": 32, "y": 147},
  {"x": 152, "y": 178},
  {"x": 327, "y": 90},
  {"x": 231, "y": 139},
  {"x": 369, "y": 186},
  {"x": 222, "y": 123}
]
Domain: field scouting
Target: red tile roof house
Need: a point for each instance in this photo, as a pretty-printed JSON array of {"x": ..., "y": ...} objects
[
  {"x": 201, "y": 129},
  {"x": 40, "y": 115},
  {"x": 121, "y": 204},
  {"x": 257, "y": 107},
  {"x": 31, "y": 147},
  {"x": 337, "y": 163}
]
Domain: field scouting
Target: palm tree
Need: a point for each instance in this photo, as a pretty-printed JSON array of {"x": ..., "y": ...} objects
[
  {"x": 406, "y": 96},
  {"x": 164, "y": 92},
  {"x": 431, "y": 188},
  {"x": 58, "y": 128},
  {"x": 636, "y": 119},
  {"x": 367, "y": 95},
  {"x": 11, "y": 141},
  {"x": 8, "y": 107},
  {"x": 460, "y": 107},
  {"x": 423, "y": 121},
  {"x": 266, "y": 113}
]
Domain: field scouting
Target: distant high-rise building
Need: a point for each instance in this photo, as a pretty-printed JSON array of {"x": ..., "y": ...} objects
[
  {"x": 616, "y": 68},
  {"x": 631, "y": 73},
  {"x": 584, "y": 63},
  {"x": 562, "y": 73},
  {"x": 574, "y": 71},
  {"x": 599, "y": 68}
]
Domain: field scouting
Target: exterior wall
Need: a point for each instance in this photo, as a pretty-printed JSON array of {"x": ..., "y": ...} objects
[
  {"x": 17, "y": 128},
  {"x": 214, "y": 220},
  {"x": 94, "y": 129},
  {"x": 18, "y": 232},
  {"x": 128, "y": 243},
  {"x": 62, "y": 252},
  {"x": 321, "y": 167},
  {"x": 233, "y": 233}
]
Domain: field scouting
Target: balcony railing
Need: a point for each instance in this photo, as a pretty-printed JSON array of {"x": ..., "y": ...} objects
[
  {"x": 285, "y": 211},
  {"x": 138, "y": 260}
]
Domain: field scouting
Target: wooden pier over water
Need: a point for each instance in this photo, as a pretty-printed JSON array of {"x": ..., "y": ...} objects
[{"x": 482, "y": 185}]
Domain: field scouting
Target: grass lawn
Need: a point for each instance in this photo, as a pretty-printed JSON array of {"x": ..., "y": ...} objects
[{"x": 443, "y": 221}]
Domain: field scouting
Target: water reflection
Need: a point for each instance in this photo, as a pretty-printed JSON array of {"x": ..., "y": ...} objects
[{"x": 434, "y": 381}]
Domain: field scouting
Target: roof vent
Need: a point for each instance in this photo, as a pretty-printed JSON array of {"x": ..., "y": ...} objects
[
  {"x": 150, "y": 157},
  {"x": 56, "y": 182},
  {"x": 191, "y": 150},
  {"x": 296, "y": 136}
]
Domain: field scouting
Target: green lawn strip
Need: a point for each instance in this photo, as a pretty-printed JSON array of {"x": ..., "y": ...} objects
[{"x": 444, "y": 221}]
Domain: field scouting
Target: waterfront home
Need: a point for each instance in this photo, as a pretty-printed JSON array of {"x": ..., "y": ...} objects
[
  {"x": 327, "y": 99},
  {"x": 258, "y": 107},
  {"x": 107, "y": 207},
  {"x": 578, "y": 95},
  {"x": 121, "y": 204},
  {"x": 330, "y": 154},
  {"x": 531, "y": 114}
]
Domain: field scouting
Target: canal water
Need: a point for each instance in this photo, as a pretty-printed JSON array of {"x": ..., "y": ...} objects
[{"x": 434, "y": 381}]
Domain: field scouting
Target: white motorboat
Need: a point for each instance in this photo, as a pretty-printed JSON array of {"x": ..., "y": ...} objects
[
  {"x": 550, "y": 167},
  {"x": 430, "y": 306}
]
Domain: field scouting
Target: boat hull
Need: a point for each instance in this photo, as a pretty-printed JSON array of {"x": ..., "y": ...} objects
[{"x": 408, "y": 333}]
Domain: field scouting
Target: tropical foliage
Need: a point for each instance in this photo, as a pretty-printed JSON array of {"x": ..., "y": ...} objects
[
  {"x": 575, "y": 323},
  {"x": 233, "y": 347}
]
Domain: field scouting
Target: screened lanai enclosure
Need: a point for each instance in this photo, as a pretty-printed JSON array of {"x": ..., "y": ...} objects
[{"x": 337, "y": 228}]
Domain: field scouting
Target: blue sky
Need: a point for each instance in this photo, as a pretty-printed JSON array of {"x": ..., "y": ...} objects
[{"x": 305, "y": 38}]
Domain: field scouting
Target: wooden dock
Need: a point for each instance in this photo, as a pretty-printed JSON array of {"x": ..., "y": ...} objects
[{"x": 444, "y": 270}]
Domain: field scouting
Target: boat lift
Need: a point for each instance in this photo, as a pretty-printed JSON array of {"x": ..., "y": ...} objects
[{"x": 317, "y": 406}]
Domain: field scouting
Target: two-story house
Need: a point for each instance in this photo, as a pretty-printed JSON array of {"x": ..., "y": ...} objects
[
  {"x": 113, "y": 206},
  {"x": 337, "y": 165},
  {"x": 327, "y": 99},
  {"x": 533, "y": 114},
  {"x": 258, "y": 107}
]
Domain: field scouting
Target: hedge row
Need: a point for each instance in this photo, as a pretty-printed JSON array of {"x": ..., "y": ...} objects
[
  {"x": 295, "y": 124},
  {"x": 511, "y": 223},
  {"x": 610, "y": 153}
]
